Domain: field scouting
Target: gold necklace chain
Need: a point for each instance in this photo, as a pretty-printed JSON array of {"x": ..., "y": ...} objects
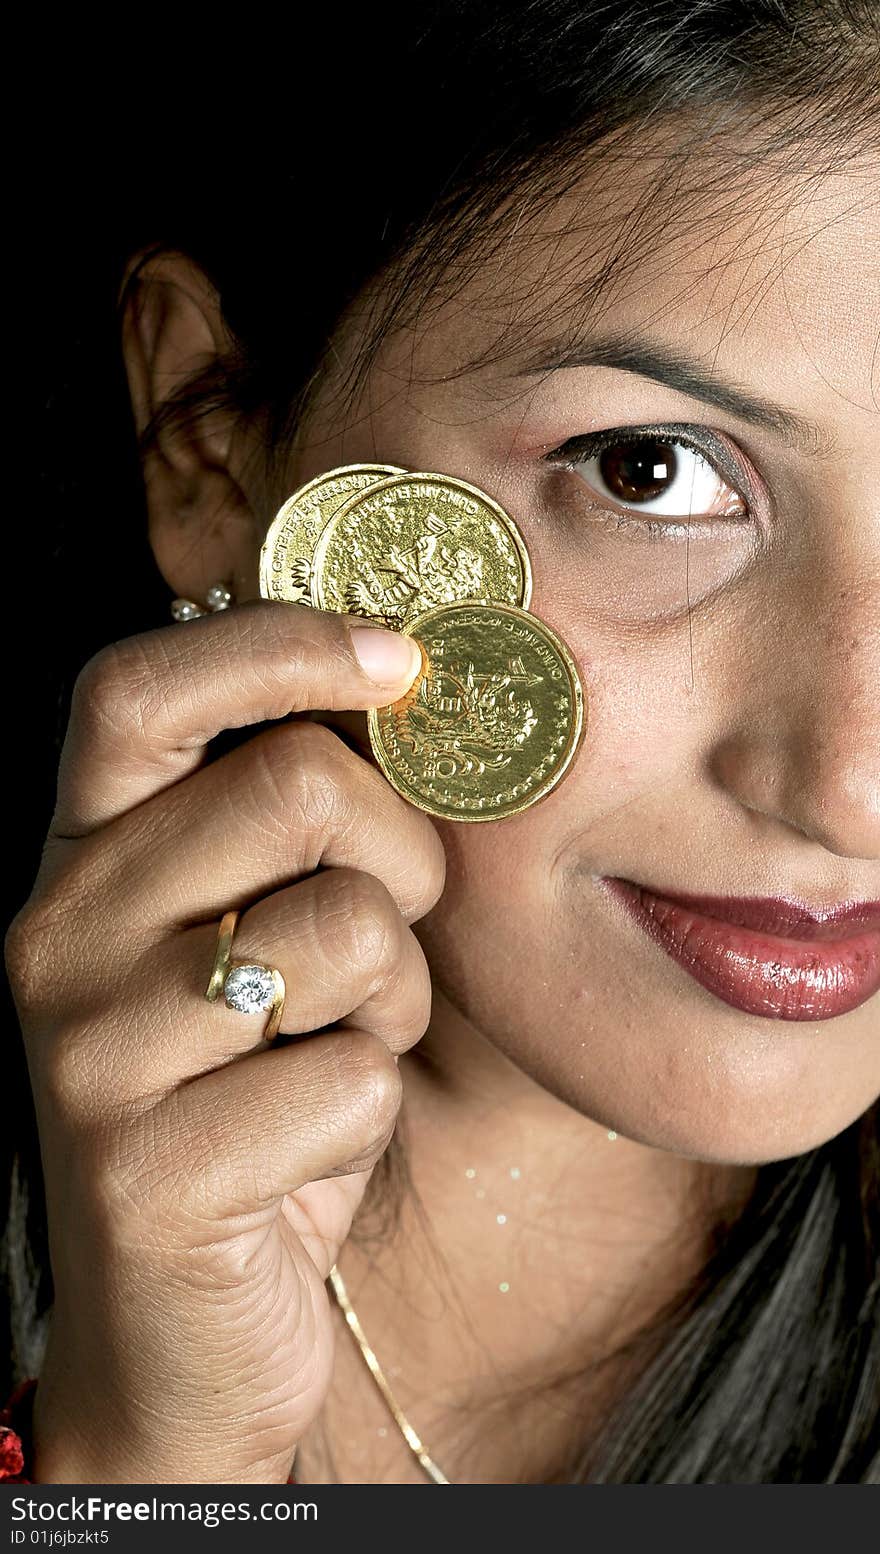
[{"x": 406, "y": 1429}]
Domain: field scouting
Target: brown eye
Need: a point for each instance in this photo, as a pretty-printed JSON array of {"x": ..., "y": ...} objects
[
  {"x": 638, "y": 471},
  {"x": 657, "y": 475}
]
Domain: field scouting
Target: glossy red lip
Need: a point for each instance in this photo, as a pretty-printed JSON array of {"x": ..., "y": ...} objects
[
  {"x": 777, "y": 914},
  {"x": 765, "y": 955}
]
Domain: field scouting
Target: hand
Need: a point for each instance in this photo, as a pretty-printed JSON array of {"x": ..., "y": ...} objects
[{"x": 201, "y": 1183}]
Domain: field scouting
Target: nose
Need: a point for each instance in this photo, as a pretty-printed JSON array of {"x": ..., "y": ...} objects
[{"x": 808, "y": 751}]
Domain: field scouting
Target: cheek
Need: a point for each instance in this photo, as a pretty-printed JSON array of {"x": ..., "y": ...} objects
[
  {"x": 481, "y": 938},
  {"x": 513, "y": 926}
]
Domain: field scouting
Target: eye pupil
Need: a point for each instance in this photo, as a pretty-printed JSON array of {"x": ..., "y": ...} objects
[{"x": 638, "y": 471}]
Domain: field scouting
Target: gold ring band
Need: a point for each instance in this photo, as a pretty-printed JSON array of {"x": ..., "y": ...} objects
[{"x": 249, "y": 986}]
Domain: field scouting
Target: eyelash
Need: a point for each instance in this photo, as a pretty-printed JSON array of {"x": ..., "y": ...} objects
[{"x": 699, "y": 439}]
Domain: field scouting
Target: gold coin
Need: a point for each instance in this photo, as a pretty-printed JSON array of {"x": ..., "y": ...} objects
[
  {"x": 493, "y": 720},
  {"x": 289, "y": 547},
  {"x": 417, "y": 541}
]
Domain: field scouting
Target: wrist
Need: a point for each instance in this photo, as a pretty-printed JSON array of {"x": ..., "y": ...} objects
[{"x": 34, "y": 1451}]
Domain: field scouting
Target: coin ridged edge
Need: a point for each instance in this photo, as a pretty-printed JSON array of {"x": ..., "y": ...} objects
[{"x": 383, "y": 472}]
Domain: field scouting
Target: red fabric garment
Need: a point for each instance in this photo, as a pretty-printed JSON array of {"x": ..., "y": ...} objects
[{"x": 15, "y": 1434}]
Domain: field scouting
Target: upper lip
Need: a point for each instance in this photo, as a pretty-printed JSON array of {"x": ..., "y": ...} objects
[{"x": 781, "y": 915}]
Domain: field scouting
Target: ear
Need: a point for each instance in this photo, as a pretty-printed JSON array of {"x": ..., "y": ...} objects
[{"x": 201, "y": 474}]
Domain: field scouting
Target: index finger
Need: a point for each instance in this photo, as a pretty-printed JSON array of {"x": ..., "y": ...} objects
[{"x": 144, "y": 708}]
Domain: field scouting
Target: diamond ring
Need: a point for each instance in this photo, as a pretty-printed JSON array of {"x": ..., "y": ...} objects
[{"x": 246, "y": 985}]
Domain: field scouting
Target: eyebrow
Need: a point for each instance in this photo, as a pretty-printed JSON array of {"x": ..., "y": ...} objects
[{"x": 635, "y": 353}]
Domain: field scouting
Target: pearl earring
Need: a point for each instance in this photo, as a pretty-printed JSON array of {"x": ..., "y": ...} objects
[{"x": 217, "y": 598}]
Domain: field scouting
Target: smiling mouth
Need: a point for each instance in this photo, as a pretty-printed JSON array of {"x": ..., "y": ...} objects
[{"x": 765, "y": 955}]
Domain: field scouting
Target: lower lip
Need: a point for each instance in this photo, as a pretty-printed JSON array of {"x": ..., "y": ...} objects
[{"x": 781, "y": 979}]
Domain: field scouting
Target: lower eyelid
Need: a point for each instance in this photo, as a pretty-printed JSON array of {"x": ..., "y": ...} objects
[{"x": 649, "y": 525}]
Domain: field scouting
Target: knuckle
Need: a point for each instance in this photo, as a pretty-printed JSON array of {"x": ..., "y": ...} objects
[
  {"x": 29, "y": 949},
  {"x": 434, "y": 875},
  {"x": 70, "y": 1078},
  {"x": 101, "y": 680},
  {"x": 410, "y": 1006},
  {"x": 74, "y": 1100},
  {"x": 421, "y": 991},
  {"x": 56, "y": 948},
  {"x": 97, "y": 678},
  {"x": 370, "y": 925},
  {"x": 401, "y": 999},
  {"x": 297, "y": 775},
  {"x": 375, "y": 1091},
  {"x": 315, "y": 745},
  {"x": 425, "y": 853},
  {"x": 58, "y": 1071},
  {"x": 117, "y": 693},
  {"x": 19, "y": 944}
]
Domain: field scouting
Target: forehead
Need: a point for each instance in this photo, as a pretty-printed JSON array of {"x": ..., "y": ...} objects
[{"x": 774, "y": 269}]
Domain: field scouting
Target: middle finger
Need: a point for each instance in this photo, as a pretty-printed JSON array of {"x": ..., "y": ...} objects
[{"x": 292, "y": 799}]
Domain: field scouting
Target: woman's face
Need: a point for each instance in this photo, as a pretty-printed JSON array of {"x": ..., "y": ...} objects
[{"x": 731, "y": 664}]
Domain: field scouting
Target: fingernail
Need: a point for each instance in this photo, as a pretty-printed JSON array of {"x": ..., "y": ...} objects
[{"x": 387, "y": 657}]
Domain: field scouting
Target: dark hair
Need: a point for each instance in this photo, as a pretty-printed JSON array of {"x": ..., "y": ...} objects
[{"x": 768, "y": 1368}]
